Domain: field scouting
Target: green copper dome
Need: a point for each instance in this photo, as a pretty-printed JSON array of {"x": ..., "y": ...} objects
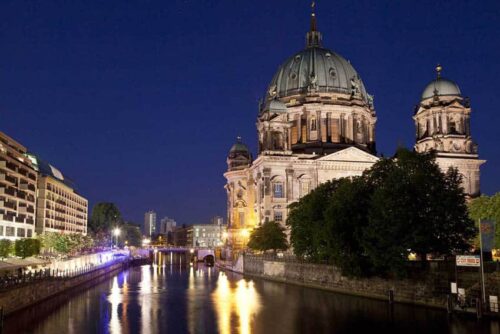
[
  {"x": 440, "y": 86},
  {"x": 315, "y": 68}
]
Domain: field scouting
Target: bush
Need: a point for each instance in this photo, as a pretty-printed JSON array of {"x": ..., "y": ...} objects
[
  {"x": 5, "y": 248},
  {"x": 27, "y": 247}
]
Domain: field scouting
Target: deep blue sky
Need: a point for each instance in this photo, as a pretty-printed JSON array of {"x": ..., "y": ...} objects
[{"x": 139, "y": 101}]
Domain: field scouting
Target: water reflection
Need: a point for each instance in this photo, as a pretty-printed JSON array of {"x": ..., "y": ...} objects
[
  {"x": 235, "y": 303},
  {"x": 168, "y": 298}
]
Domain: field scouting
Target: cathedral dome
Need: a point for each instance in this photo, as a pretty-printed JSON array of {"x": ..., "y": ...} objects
[
  {"x": 318, "y": 68},
  {"x": 440, "y": 87},
  {"x": 239, "y": 156}
]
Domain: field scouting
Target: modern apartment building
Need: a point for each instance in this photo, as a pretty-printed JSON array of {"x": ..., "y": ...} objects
[
  {"x": 149, "y": 223},
  {"x": 18, "y": 185},
  {"x": 59, "y": 207}
]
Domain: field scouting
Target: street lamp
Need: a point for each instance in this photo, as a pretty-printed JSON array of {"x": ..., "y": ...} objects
[{"x": 116, "y": 233}]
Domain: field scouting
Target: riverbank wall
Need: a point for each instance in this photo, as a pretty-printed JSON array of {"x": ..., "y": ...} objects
[
  {"x": 430, "y": 288},
  {"x": 18, "y": 298}
]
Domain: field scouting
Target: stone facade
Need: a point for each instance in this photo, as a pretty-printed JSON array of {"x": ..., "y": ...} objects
[
  {"x": 442, "y": 122},
  {"x": 317, "y": 123}
]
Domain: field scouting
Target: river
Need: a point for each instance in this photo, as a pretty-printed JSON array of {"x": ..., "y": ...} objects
[{"x": 174, "y": 299}]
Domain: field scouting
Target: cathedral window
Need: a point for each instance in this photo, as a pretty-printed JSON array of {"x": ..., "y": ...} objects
[
  {"x": 278, "y": 190},
  {"x": 278, "y": 216},
  {"x": 314, "y": 124},
  {"x": 305, "y": 187},
  {"x": 452, "y": 127}
]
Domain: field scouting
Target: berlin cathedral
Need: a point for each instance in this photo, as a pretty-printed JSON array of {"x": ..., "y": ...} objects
[{"x": 317, "y": 123}]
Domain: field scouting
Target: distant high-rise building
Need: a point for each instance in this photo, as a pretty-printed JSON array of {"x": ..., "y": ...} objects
[
  {"x": 149, "y": 223},
  {"x": 217, "y": 220},
  {"x": 167, "y": 225}
]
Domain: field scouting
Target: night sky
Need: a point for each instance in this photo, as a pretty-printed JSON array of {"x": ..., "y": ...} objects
[{"x": 139, "y": 101}]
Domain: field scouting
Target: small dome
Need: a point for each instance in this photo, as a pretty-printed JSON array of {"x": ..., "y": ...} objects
[
  {"x": 239, "y": 150},
  {"x": 441, "y": 87},
  {"x": 315, "y": 66},
  {"x": 239, "y": 147},
  {"x": 239, "y": 156}
]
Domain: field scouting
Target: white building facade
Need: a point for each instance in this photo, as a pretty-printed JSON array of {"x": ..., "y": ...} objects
[
  {"x": 442, "y": 122},
  {"x": 317, "y": 123}
]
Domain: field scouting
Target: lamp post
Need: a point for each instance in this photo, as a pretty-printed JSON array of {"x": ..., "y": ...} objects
[{"x": 116, "y": 233}]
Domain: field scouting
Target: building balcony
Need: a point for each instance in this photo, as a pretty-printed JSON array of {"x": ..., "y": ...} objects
[
  {"x": 7, "y": 217},
  {"x": 27, "y": 186},
  {"x": 8, "y": 179},
  {"x": 8, "y": 204},
  {"x": 26, "y": 209},
  {"x": 8, "y": 165},
  {"x": 7, "y": 191}
]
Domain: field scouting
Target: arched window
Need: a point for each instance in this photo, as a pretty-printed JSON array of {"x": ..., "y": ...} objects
[
  {"x": 314, "y": 124},
  {"x": 304, "y": 185},
  {"x": 278, "y": 190}
]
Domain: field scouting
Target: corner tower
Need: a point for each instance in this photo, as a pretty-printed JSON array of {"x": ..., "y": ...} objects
[{"x": 442, "y": 122}]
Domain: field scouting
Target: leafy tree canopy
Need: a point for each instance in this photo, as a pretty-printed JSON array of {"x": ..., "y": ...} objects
[
  {"x": 27, "y": 247},
  {"x": 105, "y": 216},
  {"x": 132, "y": 234},
  {"x": 487, "y": 207},
  {"x": 269, "y": 236},
  {"x": 6, "y": 248},
  {"x": 369, "y": 224}
]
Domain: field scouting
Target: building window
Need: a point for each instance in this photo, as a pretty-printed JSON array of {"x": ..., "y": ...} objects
[
  {"x": 278, "y": 190},
  {"x": 305, "y": 187},
  {"x": 242, "y": 219},
  {"x": 313, "y": 124},
  {"x": 1, "y": 230},
  {"x": 30, "y": 233},
  {"x": 9, "y": 231},
  {"x": 20, "y": 232},
  {"x": 278, "y": 216}
]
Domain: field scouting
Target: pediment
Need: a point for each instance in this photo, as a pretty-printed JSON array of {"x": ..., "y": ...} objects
[{"x": 351, "y": 154}]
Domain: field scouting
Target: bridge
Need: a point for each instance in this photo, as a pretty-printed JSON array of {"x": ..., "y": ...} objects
[{"x": 179, "y": 255}]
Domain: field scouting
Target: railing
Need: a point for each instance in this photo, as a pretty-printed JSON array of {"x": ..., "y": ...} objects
[{"x": 23, "y": 278}]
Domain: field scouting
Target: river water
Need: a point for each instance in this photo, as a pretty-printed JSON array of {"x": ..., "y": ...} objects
[{"x": 175, "y": 299}]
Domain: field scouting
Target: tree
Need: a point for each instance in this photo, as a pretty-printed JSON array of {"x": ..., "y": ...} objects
[
  {"x": 132, "y": 234},
  {"x": 105, "y": 216},
  {"x": 307, "y": 222},
  {"x": 268, "y": 236},
  {"x": 414, "y": 208},
  {"x": 5, "y": 248},
  {"x": 369, "y": 224},
  {"x": 345, "y": 220},
  {"x": 27, "y": 247},
  {"x": 487, "y": 207}
]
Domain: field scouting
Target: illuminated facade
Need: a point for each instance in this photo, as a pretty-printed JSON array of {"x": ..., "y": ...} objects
[
  {"x": 149, "y": 223},
  {"x": 316, "y": 123},
  {"x": 18, "y": 185},
  {"x": 442, "y": 122},
  {"x": 59, "y": 207}
]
